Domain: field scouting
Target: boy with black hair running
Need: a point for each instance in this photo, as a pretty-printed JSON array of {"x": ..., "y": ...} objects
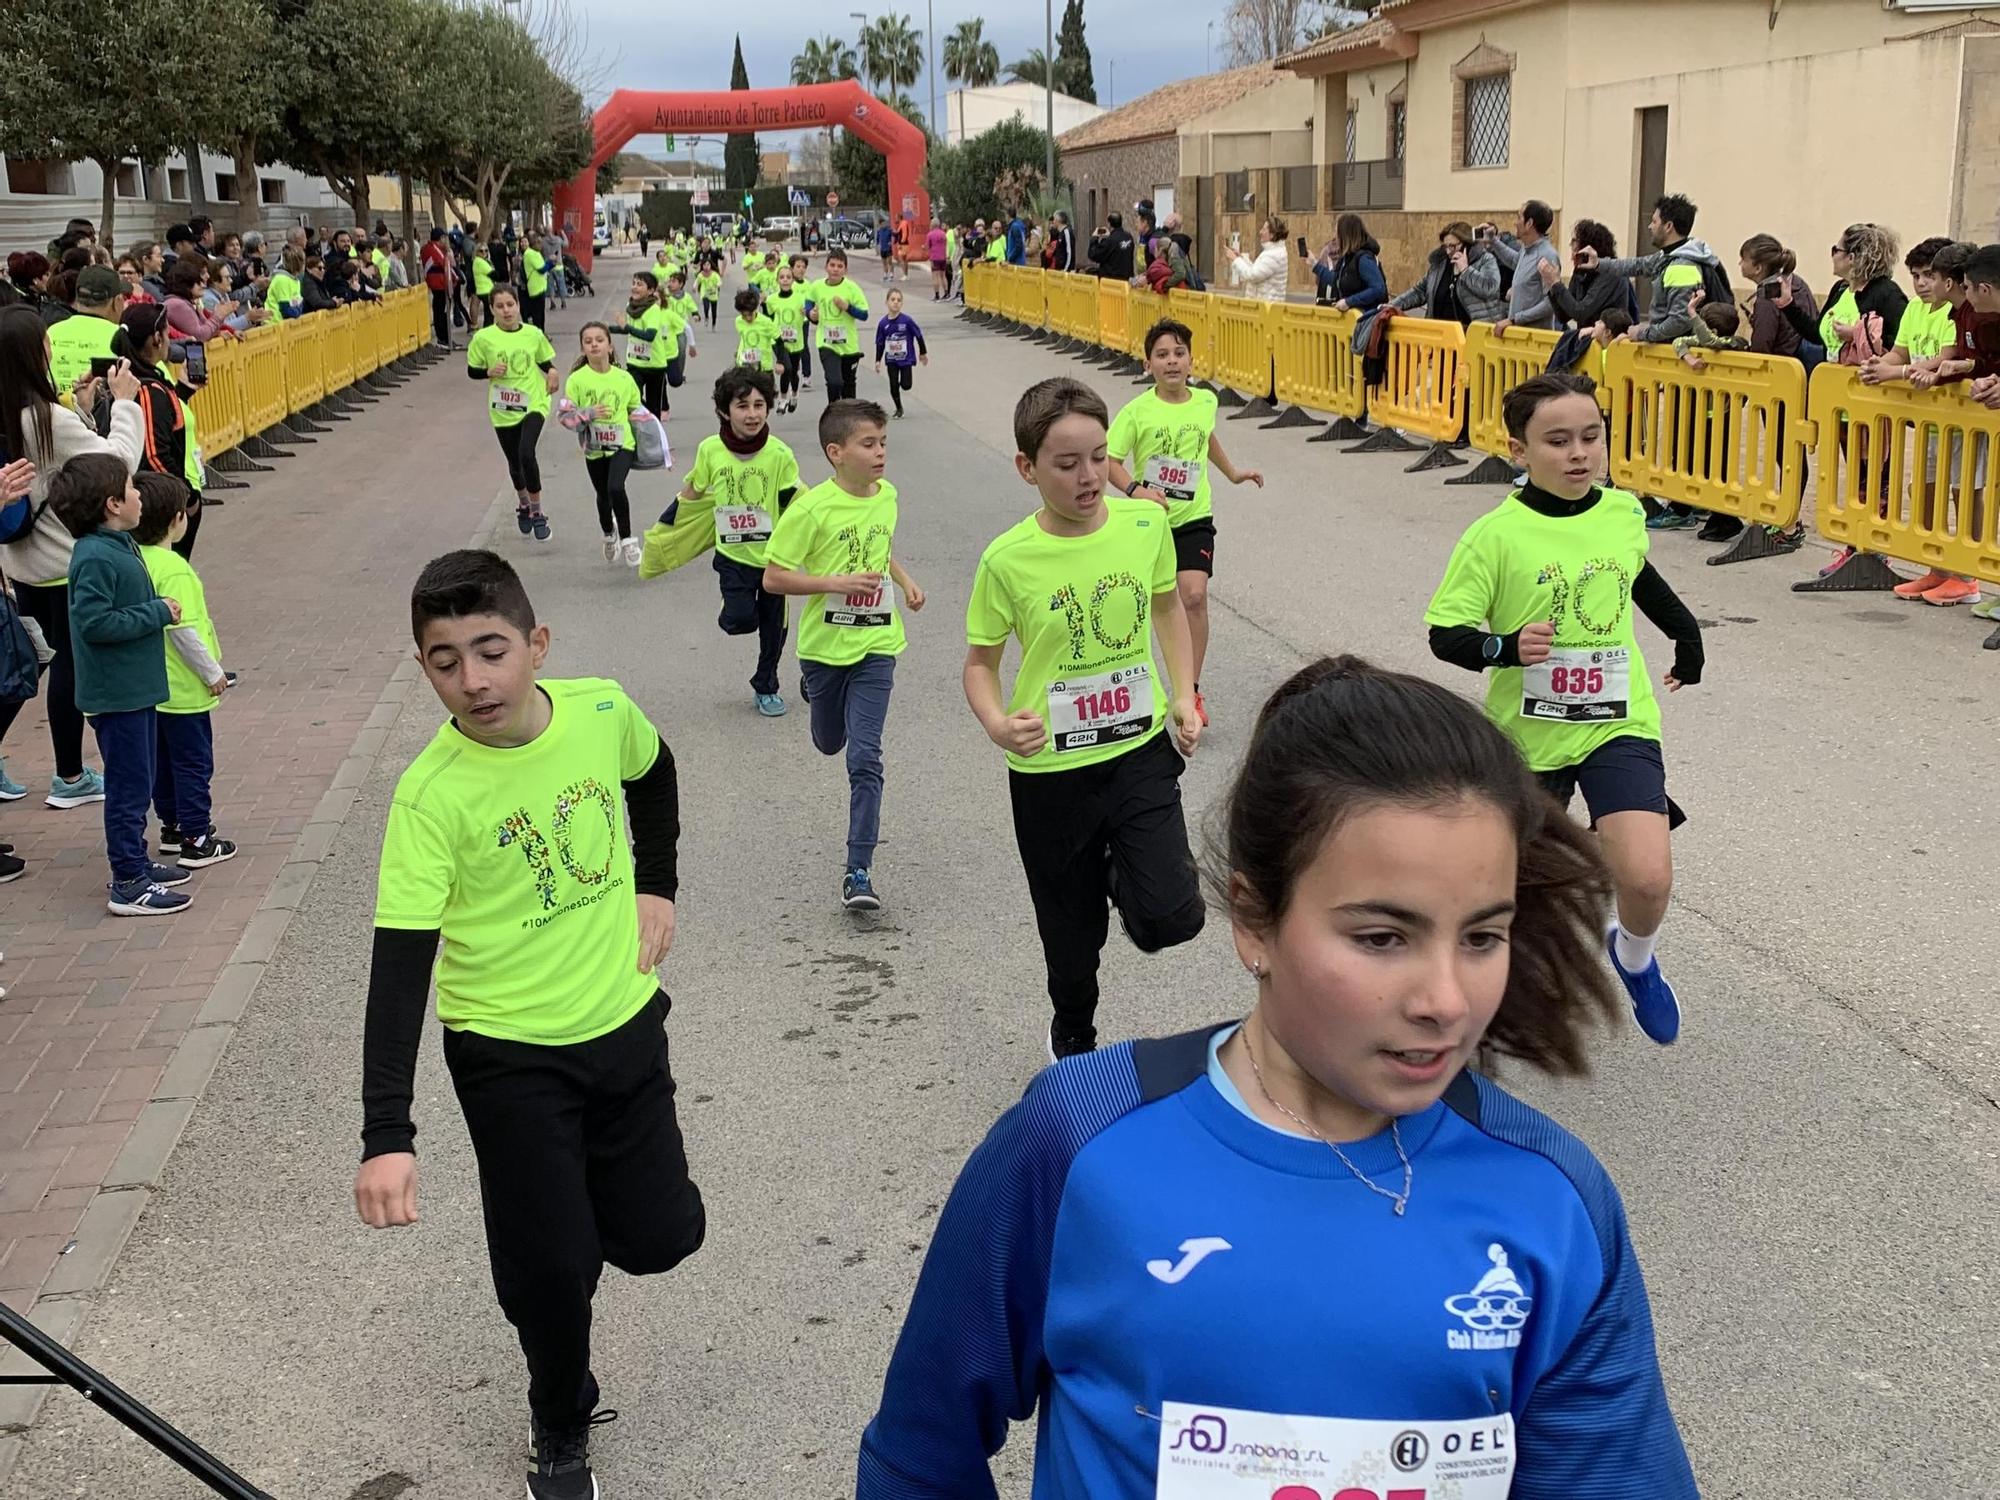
[
  {"x": 1162, "y": 443},
  {"x": 802, "y": 279},
  {"x": 1541, "y": 592},
  {"x": 506, "y": 839},
  {"x": 1084, "y": 584},
  {"x": 750, "y": 477},
  {"x": 838, "y": 308},
  {"x": 837, "y": 544},
  {"x": 756, "y": 334}
]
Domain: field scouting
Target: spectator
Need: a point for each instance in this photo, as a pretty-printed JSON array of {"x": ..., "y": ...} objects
[
  {"x": 1159, "y": 274},
  {"x": 1460, "y": 285},
  {"x": 203, "y": 229},
  {"x": 397, "y": 277},
  {"x": 191, "y": 324},
  {"x": 77, "y": 340},
  {"x": 1864, "y": 308},
  {"x": 296, "y": 239},
  {"x": 1148, "y": 227},
  {"x": 555, "y": 245},
  {"x": 229, "y": 252},
  {"x": 1349, "y": 268},
  {"x": 285, "y": 297},
  {"x": 437, "y": 281},
  {"x": 1524, "y": 253},
  {"x": 1716, "y": 326},
  {"x": 1035, "y": 240},
  {"x": 253, "y": 257},
  {"x": 885, "y": 246},
  {"x": 1171, "y": 226},
  {"x": 1678, "y": 268},
  {"x": 172, "y": 439},
  {"x": 1111, "y": 250},
  {"x": 135, "y": 287},
  {"x": 1267, "y": 277},
  {"x": 180, "y": 240},
  {"x": 972, "y": 244},
  {"x": 937, "y": 251},
  {"x": 1017, "y": 240},
  {"x": 1591, "y": 293},
  {"x": 1775, "y": 284},
  {"x": 75, "y": 232},
  {"x": 315, "y": 288},
  {"x": 49, "y": 434},
  {"x": 28, "y": 271},
  {"x": 152, "y": 263},
  {"x": 1062, "y": 242}
]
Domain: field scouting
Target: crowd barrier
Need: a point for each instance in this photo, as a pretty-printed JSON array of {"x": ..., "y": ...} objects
[
  {"x": 1243, "y": 337},
  {"x": 1313, "y": 352},
  {"x": 1424, "y": 391}
]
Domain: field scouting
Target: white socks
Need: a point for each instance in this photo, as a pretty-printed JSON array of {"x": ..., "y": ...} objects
[{"x": 1634, "y": 951}]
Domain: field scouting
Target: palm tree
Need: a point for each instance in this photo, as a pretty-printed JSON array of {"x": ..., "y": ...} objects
[
  {"x": 968, "y": 57},
  {"x": 892, "y": 52},
  {"x": 1034, "y": 68},
  {"x": 824, "y": 60}
]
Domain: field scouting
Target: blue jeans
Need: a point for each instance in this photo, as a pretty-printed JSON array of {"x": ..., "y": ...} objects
[
  {"x": 850, "y": 705},
  {"x": 559, "y": 279},
  {"x": 127, "y": 743},
  {"x": 185, "y": 765}
]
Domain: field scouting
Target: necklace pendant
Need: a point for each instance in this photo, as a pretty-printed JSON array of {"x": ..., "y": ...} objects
[{"x": 1400, "y": 1205}]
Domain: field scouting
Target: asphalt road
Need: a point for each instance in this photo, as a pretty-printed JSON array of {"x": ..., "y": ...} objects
[{"x": 1812, "y": 1173}]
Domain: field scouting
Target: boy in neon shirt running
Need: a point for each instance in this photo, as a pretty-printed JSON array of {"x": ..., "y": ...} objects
[
  {"x": 1541, "y": 591},
  {"x": 507, "y": 839},
  {"x": 1084, "y": 584},
  {"x": 1162, "y": 443}
]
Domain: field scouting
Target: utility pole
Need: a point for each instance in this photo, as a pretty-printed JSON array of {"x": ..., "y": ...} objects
[
  {"x": 930, "y": 42},
  {"x": 1049, "y": 90}
]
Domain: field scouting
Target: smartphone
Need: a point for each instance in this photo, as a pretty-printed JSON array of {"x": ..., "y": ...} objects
[
  {"x": 101, "y": 367},
  {"x": 1235, "y": 239},
  {"x": 1304, "y": 254},
  {"x": 1768, "y": 291},
  {"x": 197, "y": 364}
]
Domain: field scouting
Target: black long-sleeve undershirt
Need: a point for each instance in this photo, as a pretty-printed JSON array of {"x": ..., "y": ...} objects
[
  {"x": 1475, "y": 650},
  {"x": 399, "y": 971}
]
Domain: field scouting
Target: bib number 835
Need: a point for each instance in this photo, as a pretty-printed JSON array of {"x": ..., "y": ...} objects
[{"x": 1588, "y": 680}]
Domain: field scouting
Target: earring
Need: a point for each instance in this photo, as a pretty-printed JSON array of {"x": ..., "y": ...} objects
[{"x": 1257, "y": 968}]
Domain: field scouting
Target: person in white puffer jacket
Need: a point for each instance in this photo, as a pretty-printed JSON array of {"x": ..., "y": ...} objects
[{"x": 1267, "y": 278}]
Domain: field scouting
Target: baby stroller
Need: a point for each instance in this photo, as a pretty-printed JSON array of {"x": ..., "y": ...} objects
[{"x": 579, "y": 284}]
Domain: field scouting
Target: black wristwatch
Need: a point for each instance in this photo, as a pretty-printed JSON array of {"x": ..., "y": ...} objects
[{"x": 1493, "y": 647}]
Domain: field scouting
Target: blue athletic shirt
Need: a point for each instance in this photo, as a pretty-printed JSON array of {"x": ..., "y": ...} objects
[{"x": 1162, "y": 1279}]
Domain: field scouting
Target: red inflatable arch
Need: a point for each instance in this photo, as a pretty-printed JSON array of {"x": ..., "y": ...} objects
[{"x": 818, "y": 106}]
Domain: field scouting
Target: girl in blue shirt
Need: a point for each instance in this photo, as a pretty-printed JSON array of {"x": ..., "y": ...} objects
[
  {"x": 1315, "y": 1251},
  {"x": 898, "y": 338}
]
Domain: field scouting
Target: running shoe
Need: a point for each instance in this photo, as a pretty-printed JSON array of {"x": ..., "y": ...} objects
[
  {"x": 539, "y": 523},
  {"x": 1988, "y": 610},
  {"x": 167, "y": 875},
  {"x": 10, "y": 790},
  {"x": 1839, "y": 561},
  {"x": 89, "y": 787},
  {"x": 11, "y": 868},
  {"x": 1953, "y": 591},
  {"x": 631, "y": 551},
  {"x": 200, "y": 853},
  {"x": 610, "y": 547},
  {"x": 805, "y": 385},
  {"x": 561, "y": 1468},
  {"x": 1719, "y": 528},
  {"x": 770, "y": 705},
  {"x": 143, "y": 898},
  {"x": 857, "y": 892},
  {"x": 1787, "y": 541},
  {"x": 1654, "y": 1004},
  {"x": 170, "y": 839},
  {"x": 1668, "y": 520},
  {"x": 524, "y": 519},
  {"x": 1066, "y": 1043},
  {"x": 1916, "y": 588}
]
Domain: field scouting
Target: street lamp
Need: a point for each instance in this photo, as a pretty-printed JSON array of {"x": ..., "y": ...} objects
[
  {"x": 1208, "y": 49},
  {"x": 1049, "y": 89},
  {"x": 862, "y": 57}
]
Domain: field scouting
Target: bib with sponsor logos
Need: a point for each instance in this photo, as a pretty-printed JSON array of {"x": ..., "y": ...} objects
[
  {"x": 605, "y": 436},
  {"x": 1218, "y": 1453},
  {"x": 1578, "y": 685},
  {"x": 509, "y": 399},
  {"x": 870, "y": 611},
  {"x": 737, "y": 524},
  {"x": 1177, "y": 478},
  {"x": 896, "y": 350},
  {"x": 1102, "y": 709},
  {"x": 833, "y": 335}
]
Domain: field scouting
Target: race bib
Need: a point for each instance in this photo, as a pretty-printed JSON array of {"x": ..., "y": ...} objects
[
  {"x": 897, "y": 350},
  {"x": 741, "y": 523},
  {"x": 754, "y": 358},
  {"x": 862, "y": 611},
  {"x": 834, "y": 335},
  {"x": 1176, "y": 478},
  {"x": 1216, "y": 1453},
  {"x": 604, "y": 436},
  {"x": 789, "y": 334},
  {"x": 1578, "y": 685},
  {"x": 639, "y": 350},
  {"x": 1085, "y": 712},
  {"x": 507, "y": 398}
]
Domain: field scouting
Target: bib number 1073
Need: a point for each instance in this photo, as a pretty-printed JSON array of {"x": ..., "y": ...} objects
[{"x": 518, "y": 830}]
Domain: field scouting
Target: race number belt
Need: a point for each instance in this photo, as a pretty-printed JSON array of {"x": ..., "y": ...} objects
[
  {"x": 897, "y": 349},
  {"x": 1085, "y": 712},
  {"x": 741, "y": 523},
  {"x": 862, "y": 611},
  {"x": 1578, "y": 685},
  {"x": 507, "y": 398},
  {"x": 1176, "y": 478},
  {"x": 1217, "y": 1453}
]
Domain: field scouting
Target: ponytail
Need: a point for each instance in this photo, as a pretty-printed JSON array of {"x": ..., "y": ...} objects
[{"x": 1769, "y": 256}]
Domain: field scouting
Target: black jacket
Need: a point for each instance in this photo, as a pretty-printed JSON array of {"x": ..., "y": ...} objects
[{"x": 1112, "y": 254}]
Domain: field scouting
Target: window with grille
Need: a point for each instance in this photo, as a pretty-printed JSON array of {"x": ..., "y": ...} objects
[
  {"x": 1235, "y": 192},
  {"x": 1350, "y": 137},
  {"x": 1399, "y": 119},
  {"x": 1298, "y": 193},
  {"x": 1488, "y": 108}
]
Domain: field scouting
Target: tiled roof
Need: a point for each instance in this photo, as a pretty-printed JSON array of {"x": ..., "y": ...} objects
[
  {"x": 1163, "y": 111},
  {"x": 1371, "y": 33}
]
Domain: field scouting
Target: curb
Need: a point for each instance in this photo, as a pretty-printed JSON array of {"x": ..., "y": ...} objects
[{"x": 82, "y": 1274}]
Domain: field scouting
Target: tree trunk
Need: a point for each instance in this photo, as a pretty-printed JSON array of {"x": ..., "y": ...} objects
[
  {"x": 107, "y": 211},
  {"x": 437, "y": 197},
  {"x": 250, "y": 205},
  {"x": 409, "y": 226}
]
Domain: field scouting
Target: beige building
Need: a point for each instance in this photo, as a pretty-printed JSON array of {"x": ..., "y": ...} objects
[
  {"x": 968, "y": 112},
  {"x": 1788, "y": 117}
]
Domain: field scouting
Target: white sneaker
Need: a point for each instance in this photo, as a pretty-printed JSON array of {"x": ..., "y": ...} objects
[
  {"x": 610, "y": 547},
  {"x": 633, "y": 551}
]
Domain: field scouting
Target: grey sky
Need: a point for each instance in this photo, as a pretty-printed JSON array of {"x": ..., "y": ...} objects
[{"x": 650, "y": 45}]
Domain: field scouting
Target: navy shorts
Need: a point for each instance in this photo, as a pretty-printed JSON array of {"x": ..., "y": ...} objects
[
  {"x": 1628, "y": 774},
  {"x": 1194, "y": 547}
]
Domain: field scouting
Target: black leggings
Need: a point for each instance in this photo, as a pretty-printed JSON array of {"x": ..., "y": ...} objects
[
  {"x": 677, "y": 371},
  {"x": 518, "y": 443},
  {"x": 901, "y": 379},
  {"x": 788, "y": 371},
  {"x": 708, "y": 310},
  {"x": 839, "y": 371},
  {"x": 48, "y": 606},
  {"x": 806, "y": 360},
  {"x": 652, "y": 386},
  {"x": 607, "y": 478}
]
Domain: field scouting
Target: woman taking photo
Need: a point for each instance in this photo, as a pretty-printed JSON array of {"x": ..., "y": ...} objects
[
  {"x": 1772, "y": 272},
  {"x": 29, "y": 271},
  {"x": 1267, "y": 276},
  {"x": 1590, "y": 293},
  {"x": 1263, "y": 1257},
  {"x": 48, "y": 435},
  {"x": 1460, "y": 285},
  {"x": 1349, "y": 269}
]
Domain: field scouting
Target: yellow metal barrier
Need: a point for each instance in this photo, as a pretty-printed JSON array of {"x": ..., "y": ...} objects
[
  {"x": 416, "y": 319},
  {"x": 337, "y": 347},
  {"x": 1908, "y": 474},
  {"x": 1197, "y": 310},
  {"x": 1423, "y": 392},
  {"x": 390, "y": 326},
  {"x": 299, "y": 339},
  {"x": 362, "y": 337},
  {"x": 263, "y": 378},
  {"x": 1009, "y": 291},
  {"x": 1243, "y": 344},
  {"x": 1078, "y": 296},
  {"x": 1033, "y": 296},
  {"x": 1114, "y": 308},
  {"x": 1495, "y": 364},
  {"x": 1730, "y": 437},
  {"x": 1316, "y": 363},
  {"x": 974, "y": 283},
  {"x": 218, "y": 405}
]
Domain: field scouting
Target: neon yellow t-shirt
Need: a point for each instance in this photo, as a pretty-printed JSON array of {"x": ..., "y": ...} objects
[
  {"x": 282, "y": 293},
  {"x": 74, "y": 343},
  {"x": 615, "y": 390},
  {"x": 482, "y": 276},
  {"x": 788, "y": 311},
  {"x": 523, "y": 390},
  {"x": 657, "y": 346},
  {"x": 1082, "y": 608},
  {"x": 827, "y": 531},
  {"x": 1515, "y": 566},
  {"x": 756, "y": 339},
  {"x": 521, "y": 859},
  {"x": 747, "y": 494},
  {"x": 174, "y": 578},
  {"x": 1926, "y": 332},
  {"x": 533, "y": 266},
  {"x": 839, "y": 331},
  {"x": 710, "y": 283},
  {"x": 1164, "y": 445}
]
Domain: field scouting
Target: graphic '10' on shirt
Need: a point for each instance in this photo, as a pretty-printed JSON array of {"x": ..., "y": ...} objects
[
  {"x": 827, "y": 531},
  {"x": 746, "y": 492},
  {"x": 1164, "y": 445},
  {"x": 520, "y": 858},
  {"x": 1082, "y": 607}
]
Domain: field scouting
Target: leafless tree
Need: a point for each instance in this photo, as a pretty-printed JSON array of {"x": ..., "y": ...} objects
[{"x": 1259, "y": 30}]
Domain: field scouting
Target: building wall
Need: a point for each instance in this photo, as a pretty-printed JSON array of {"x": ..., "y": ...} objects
[
  {"x": 1113, "y": 178},
  {"x": 31, "y": 220},
  {"x": 1539, "y": 40},
  {"x": 1368, "y": 93},
  {"x": 967, "y": 112},
  {"x": 1975, "y": 206}
]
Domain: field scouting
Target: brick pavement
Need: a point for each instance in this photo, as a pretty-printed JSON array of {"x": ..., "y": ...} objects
[{"x": 308, "y": 573}]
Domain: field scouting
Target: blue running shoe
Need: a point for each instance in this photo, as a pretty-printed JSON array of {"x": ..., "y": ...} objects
[
  {"x": 142, "y": 898},
  {"x": 168, "y": 875},
  {"x": 770, "y": 705},
  {"x": 10, "y": 789},
  {"x": 540, "y": 525},
  {"x": 1669, "y": 520},
  {"x": 89, "y": 787},
  {"x": 523, "y": 519},
  {"x": 1654, "y": 1004},
  {"x": 857, "y": 892}
]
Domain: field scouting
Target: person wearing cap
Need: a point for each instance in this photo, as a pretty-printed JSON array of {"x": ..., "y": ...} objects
[
  {"x": 86, "y": 335},
  {"x": 180, "y": 240}
]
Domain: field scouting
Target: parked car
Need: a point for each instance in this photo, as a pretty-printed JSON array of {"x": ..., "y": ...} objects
[
  {"x": 780, "y": 225},
  {"x": 855, "y": 228}
]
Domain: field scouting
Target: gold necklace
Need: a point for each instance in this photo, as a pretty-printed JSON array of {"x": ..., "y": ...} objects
[{"x": 1401, "y": 1200}]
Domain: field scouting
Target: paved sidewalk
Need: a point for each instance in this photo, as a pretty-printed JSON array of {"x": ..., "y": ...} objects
[{"x": 308, "y": 572}]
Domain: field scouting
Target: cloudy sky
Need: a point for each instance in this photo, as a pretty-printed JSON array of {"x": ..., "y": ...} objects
[{"x": 643, "y": 44}]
